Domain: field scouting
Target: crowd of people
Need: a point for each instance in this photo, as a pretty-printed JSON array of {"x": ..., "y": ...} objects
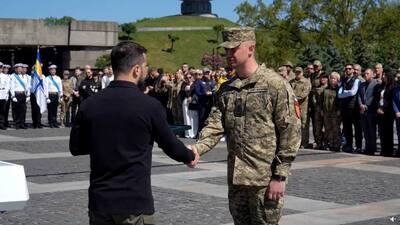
[
  {"x": 62, "y": 93},
  {"x": 342, "y": 109},
  {"x": 360, "y": 104}
]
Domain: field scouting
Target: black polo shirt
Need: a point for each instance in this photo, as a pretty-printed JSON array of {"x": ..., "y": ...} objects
[{"x": 118, "y": 127}]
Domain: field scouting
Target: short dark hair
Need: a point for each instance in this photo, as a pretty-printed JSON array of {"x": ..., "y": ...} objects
[{"x": 125, "y": 55}]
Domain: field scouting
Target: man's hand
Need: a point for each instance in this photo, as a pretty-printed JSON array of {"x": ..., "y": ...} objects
[
  {"x": 193, "y": 164},
  {"x": 398, "y": 115},
  {"x": 363, "y": 108},
  {"x": 276, "y": 190}
]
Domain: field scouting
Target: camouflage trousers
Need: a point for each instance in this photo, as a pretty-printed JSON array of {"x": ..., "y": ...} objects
[
  {"x": 248, "y": 205},
  {"x": 96, "y": 218},
  {"x": 64, "y": 114},
  {"x": 304, "y": 125},
  {"x": 318, "y": 127},
  {"x": 332, "y": 130}
]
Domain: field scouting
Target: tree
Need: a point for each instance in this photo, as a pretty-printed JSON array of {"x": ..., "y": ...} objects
[
  {"x": 65, "y": 20},
  {"x": 351, "y": 31},
  {"x": 218, "y": 29},
  {"x": 172, "y": 39},
  {"x": 103, "y": 61},
  {"x": 127, "y": 29}
]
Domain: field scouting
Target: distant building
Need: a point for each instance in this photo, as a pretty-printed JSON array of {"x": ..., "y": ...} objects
[
  {"x": 75, "y": 44},
  {"x": 197, "y": 8}
]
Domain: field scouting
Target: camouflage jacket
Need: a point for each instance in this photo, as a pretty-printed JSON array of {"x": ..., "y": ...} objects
[
  {"x": 301, "y": 89},
  {"x": 262, "y": 130}
]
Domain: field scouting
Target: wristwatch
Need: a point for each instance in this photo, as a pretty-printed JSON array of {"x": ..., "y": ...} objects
[{"x": 278, "y": 178}]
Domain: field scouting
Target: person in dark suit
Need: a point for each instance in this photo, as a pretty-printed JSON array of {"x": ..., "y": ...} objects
[
  {"x": 386, "y": 115},
  {"x": 368, "y": 108},
  {"x": 118, "y": 127}
]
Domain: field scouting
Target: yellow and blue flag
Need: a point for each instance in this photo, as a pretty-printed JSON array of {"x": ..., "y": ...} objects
[{"x": 37, "y": 84}]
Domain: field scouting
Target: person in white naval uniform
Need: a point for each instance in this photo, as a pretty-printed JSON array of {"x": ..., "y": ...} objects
[
  {"x": 4, "y": 91},
  {"x": 6, "y": 69},
  {"x": 20, "y": 92},
  {"x": 53, "y": 91}
]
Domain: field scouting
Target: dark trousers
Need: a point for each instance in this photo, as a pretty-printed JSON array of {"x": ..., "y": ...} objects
[
  {"x": 52, "y": 109},
  {"x": 96, "y": 218},
  {"x": 398, "y": 136},
  {"x": 350, "y": 118},
  {"x": 203, "y": 113},
  {"x": 385, "y": 123},
  {"x": 7, "y": 110},
  {"x": 74, "y": 108},
  {"x": 368, "y": 121},
  {"x": 36, "y": 115},
  {"x": 3, "y": 103},
  {"x": 20, "y": 110}
]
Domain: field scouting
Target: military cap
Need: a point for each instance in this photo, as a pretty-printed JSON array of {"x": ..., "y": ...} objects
[
  {"x": 53, "y": 67},
  {"x": 317, "y": 63},
  {"x": 25, "y": 65},
  {"x": 233, "y": 37},
  {"x": 1, "y": 64},
  {"x": 18, "y": 65},
  {"x": 6, "y": 66},
  {"x": 206, "y": 70},
  {"x": 298, "y": 69},
  {"x": 288, "y": 63},
  {"x": 282, "y": 70}
]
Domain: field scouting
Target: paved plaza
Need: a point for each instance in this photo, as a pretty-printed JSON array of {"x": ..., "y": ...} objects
[{"x": 326, "y": 188}]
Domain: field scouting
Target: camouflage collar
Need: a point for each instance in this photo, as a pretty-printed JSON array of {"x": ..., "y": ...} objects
[{"x": 253, "y": 78}]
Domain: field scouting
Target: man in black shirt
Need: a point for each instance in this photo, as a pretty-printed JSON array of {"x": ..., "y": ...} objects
[{"x": 118, "y": 127}]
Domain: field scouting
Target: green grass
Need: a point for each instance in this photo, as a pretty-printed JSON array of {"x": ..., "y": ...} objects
[
  {"x": 190, "y": 48},
  {"x": 183, "y": 21}
]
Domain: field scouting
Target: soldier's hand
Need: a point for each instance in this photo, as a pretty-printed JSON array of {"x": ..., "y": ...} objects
[
  {"x": 193, "y": 164},
  {"x": 398, "y": 115},
  {"x": 276, "y": 190},
  {"x": 28, "y": 99},
  {"x": 14, "y": 99}
]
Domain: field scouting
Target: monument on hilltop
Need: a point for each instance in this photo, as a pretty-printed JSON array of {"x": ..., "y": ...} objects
[{"x": 197, "y": 8}]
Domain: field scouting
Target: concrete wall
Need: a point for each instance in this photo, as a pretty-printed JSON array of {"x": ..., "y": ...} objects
[
  {"x": 88, "y": 33},
  {"x": 19, "y": 32},
  {"x": 82, "y": 58},
  {"x": 31, "y": 32}
]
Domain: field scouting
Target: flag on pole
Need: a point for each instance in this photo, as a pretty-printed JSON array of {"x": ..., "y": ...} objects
[{"x": 37, "y": 84}]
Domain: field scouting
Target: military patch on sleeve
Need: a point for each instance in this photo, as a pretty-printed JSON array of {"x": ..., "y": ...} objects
[{"x": 297, "y": 108}]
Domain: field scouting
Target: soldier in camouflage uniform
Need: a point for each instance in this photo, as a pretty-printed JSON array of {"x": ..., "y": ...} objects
[
  {"x": 331, "y": 113},
  {"x": 318, "y": 113},
  {"x": 289, "y": 69},
  {"x": 315, "y": 108},
  {"x": 66, "y": 101},
  {"x": 283, "y": 72},
  {"x": 256, "y": 112},
  {"x": 301, "y": 87}
]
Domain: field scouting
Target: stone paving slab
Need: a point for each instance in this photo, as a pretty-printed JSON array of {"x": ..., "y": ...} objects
[
  {"x": 37, "y": 146},
  {"x": 45, "y": 132},
  {"x": 379, "y": 221},
  {"x": 394, "y": 163},
  {"x": 310, "y": 155},
  {"x": 344, "y": 186}
]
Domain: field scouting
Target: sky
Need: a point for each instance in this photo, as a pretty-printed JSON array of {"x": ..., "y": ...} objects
[{"x": 121, "y": 11}]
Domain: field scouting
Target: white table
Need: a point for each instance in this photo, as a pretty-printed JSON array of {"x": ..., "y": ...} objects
[{"x": 13, "y": 187}]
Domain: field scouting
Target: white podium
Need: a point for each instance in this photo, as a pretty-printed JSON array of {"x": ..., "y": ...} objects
[{"x": 13, "y": 187}]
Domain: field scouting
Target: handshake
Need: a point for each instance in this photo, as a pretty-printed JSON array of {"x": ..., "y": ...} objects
[{"x": 193, "y": 163}]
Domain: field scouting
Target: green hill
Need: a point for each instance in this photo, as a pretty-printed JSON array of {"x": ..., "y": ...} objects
[
  {"x": 190, "y": 47},
  {"x": 183, "y": 21}
]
